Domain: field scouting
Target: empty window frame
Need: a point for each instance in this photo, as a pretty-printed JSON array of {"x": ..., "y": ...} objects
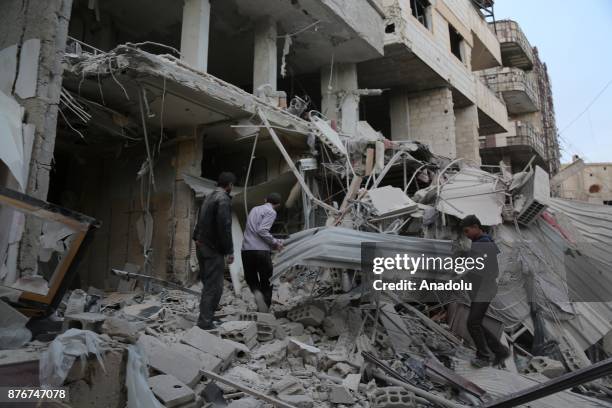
[
  {"x": 455, "y": 42},
  {"x": 419, "y": 11}
]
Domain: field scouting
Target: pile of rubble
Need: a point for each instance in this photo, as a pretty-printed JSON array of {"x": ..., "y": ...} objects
[{"x": 341, "y": 350}]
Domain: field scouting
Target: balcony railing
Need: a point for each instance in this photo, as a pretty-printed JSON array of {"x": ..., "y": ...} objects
[
  {"x": 517, "y": 87},
  {"x": 524, "y": 135}
]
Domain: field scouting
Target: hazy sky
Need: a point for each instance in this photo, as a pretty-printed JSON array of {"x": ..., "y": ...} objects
[{"x": 574, "y": 38}]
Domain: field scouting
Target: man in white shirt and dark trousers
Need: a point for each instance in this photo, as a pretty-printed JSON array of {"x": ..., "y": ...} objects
[{"x": 256, "y": 250}]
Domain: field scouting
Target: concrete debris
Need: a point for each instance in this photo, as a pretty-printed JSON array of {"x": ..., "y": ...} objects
[
  {"x": 168, "y": 361},
  {"x": 85, "y": 321},
  {"x": 170, "y": 391},
  {"x": 137, "y": 134},
  {"x": 545, "y": 366},
  {"x": 339, "y": 394},
  {"x": 122, "y": 329},
  {"x": 244, "y": 332}
]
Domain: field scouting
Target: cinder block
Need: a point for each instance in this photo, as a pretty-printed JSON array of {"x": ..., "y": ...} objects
[
  {"x": 171, "y": 362},
  {"x": 209, "y": 343},
  {"x": 392, "y": 397},
  {"x": 308, "y": 315},
  {"x": 170, "y": 391},
  {"x": 244, "y": 332},
  {"x": 266, "y": 332},
  {"x": 207, "y": 361}
]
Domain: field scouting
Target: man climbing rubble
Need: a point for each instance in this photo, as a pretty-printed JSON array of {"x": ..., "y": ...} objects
[
  {"x": 213, "y": 239},
  {"x": 256, "y": 250},
  {"x": 484, "y": 289}
]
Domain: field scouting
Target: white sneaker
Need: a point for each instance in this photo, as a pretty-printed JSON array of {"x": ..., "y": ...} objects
[{"x": 261, "y": 303}]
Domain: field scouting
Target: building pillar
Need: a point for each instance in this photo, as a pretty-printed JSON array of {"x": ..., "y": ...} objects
[
  {"x": 340, "y": 101},
  {"x": 265, "y": 62},
  {"x": 466, "y": 132},
  {"x": 432, "y": 120},
  {"x": 195, "y": 33},
  {"x": 399, "y": 112}
]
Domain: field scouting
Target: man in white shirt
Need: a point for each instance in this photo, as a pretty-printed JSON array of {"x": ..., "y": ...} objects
[{"x": 256, "y": 250}]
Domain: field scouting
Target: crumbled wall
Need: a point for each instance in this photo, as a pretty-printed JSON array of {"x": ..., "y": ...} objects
[
  {"x": 432, "y": 120},
  {"x": 47, "y": 20}
]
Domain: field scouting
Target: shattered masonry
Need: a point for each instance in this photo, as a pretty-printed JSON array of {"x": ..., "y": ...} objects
[{"x": 376, "y": 120}]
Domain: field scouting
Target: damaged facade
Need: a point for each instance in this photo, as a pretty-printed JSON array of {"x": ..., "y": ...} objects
[{"x": 371, "y": 118}]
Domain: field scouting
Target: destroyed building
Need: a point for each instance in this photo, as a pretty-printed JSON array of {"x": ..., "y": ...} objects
[{"x": 371, "y": 118}]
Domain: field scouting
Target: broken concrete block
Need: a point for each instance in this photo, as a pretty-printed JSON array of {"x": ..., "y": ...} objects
[
  {"x": 242, "y": 352},
  {"x": 308, "y": 315},
  {"x": 209, "y": 343},
  {"x": 272, "y": 352},
  {"x": 91, "y": 384},
  {"x": 246, "y": 403},
  {"x": 247, "y": 377},
  {"x": 143, "y": 311},
  {"x": 392, "y": 397},
  {"x": 9, "y": 316},
  {"x": 545, "y": 366},
  {"x": 118, "y": 327},
  {"x": 309, "y": 353},
  {"x": 300, "y": 401},
  {"x": 170, "y": 391},
  {"x": 335, "y": 325},
  {"x": 341, "y": 370},
  {"x": 289, "y": 386},
  {"x": 339, "y": 394},
  {"x": 293, "y": 329},
  {"x": 84, "y": 321},
  {"x": 207, "y": 361},
  {"x": 240, "y": 331},
  {"x": 352, "y": 382},
  {"x": 171, "y": 362}
]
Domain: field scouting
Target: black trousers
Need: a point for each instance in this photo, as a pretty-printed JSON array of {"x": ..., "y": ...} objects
[
  {"x": 481, "y": 335},
  {"x": 257, "y": 272},
  {"x": 212, "y": 268}
]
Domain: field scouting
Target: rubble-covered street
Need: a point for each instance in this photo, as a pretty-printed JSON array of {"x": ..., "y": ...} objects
[{"x": 373, "y": 130}]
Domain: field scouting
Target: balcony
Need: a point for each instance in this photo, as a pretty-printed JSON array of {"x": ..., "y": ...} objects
[
  {"x": 515, "y": 48},
  {"x": 517, "y": 88},
  {"x": 492, "y": 111},
  {"x": 520, "y": 144}
]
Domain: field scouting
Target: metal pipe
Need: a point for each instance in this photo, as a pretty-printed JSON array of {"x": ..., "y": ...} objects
[{"x": 564, "y": 382}]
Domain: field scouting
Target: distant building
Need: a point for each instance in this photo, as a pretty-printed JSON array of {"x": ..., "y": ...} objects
[{"x": 592, "y": 184}]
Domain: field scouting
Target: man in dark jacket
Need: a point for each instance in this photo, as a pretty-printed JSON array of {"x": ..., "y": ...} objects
[
  {"x": 484, "y": 289},
  {"x": 213, "y": 239}
]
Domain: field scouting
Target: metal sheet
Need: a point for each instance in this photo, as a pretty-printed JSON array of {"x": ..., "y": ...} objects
[
  {"x": 341, "y": 248},
  {"x": 473, "y": 191}
]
